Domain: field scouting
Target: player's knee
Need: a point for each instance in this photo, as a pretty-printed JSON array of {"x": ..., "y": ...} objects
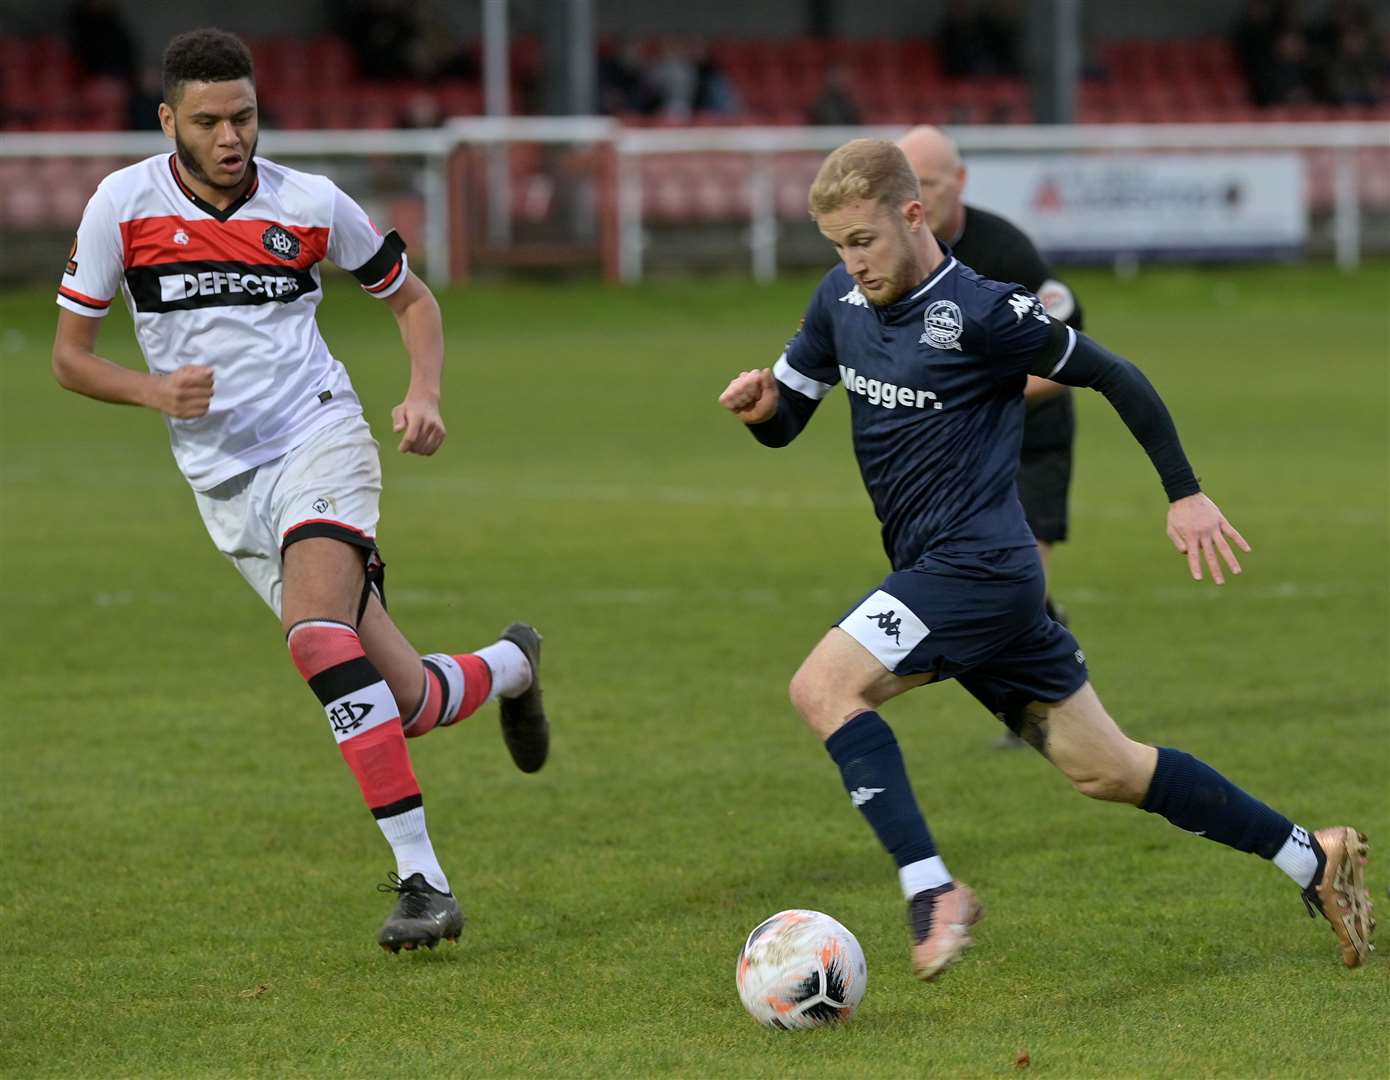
[
  {"x": 315, "y": 645},
  {"x": 1104, "y": 786},
  {"x": 1116, "y": 779},
  {"x": 812, "y": 693},
  {"x": 801, "y": 690}
]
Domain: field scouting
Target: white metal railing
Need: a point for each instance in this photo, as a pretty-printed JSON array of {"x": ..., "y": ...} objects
[
  {"x": 434, "y": 148},
  {"x": 760, "y": 143}
]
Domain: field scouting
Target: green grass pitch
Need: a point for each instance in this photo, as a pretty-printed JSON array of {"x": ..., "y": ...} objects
[{"x": 189, "y": 871}]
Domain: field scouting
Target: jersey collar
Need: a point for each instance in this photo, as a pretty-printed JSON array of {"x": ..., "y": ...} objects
[
  {"x": 900, "y": 309},
  {"x": 207, "y": 207}
]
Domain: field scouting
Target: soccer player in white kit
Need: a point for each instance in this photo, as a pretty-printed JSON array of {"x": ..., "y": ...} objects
[{"x": 216, "y": 252}]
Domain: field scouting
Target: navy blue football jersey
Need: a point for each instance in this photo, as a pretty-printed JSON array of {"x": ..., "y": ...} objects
[{"x": 935, "y": 384}]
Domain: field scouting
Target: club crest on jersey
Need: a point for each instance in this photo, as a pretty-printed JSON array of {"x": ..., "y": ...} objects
[
  {"x": 180, "y": 238},
  {"x": 944, "y": 325},
  {"x": 281, "y": 243}
]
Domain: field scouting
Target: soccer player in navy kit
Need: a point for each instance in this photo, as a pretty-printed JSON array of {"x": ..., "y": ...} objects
[
  {"x": 934, "y": 359},
  {"x": 996, "y": 248}
]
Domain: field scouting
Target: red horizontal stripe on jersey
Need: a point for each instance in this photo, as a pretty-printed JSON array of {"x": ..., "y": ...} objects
[
  {"x": 386, "y": 281},
  {"x": 151, "y": 241},
  {"x": 83, "y": 298}
]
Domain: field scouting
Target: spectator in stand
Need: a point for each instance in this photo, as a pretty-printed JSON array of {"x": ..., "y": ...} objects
[
  {"x": 835, "y": 105},
  {"x": 959, "y": 39},
  {"x": 142, "y": 108},
  {"x": 999, "y": 34},
  {"x": 1289, "y": 69},
  {"x": 1355, "y": 76},
  {"x": 1253, "y": 42},
  {"x": 384, "y": 35},
  {"x": 1346, "y": 68},
  {"x": 980, "y": 43},
  {"x": 101, "y": 41},
  {"x": 422, "y": 110},
  {"x": 623, "y": 84},
  {"x": 674, "y": 78},
  {"x": 714, "y": 90}
]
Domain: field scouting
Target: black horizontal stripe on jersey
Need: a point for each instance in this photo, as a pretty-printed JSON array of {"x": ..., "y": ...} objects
[
  {"x": 380, "y": 264},
  {"x": 184, "y": 286}
]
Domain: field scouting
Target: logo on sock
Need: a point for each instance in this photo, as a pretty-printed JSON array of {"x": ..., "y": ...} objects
[
  {"x": 888, "y": 624},
  {"x": 859, "y": 796},
  {"x": 348, "y": 715}
]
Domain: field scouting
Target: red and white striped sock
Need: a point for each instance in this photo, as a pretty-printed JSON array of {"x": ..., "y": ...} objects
[
  {"x": 367, "y": 725},
  {"x": 455, "y": 687}
]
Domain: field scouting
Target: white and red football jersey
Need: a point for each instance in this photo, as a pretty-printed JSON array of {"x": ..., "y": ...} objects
[{"x": 235, "y": 290}]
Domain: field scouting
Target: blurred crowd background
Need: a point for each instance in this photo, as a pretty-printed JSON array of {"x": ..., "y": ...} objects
[{"x": 94, "y": 64}]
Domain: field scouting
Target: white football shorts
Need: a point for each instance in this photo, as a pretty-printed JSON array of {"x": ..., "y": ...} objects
[{"x": 329, "y": 485}]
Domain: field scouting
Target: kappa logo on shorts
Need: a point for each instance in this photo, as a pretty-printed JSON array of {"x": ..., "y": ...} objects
[
  {"x": 887, "y": 626},
  {"x": 890, "y": 626},
  {"x": 281, "y": 243},
  {"x": 349, "y": 715}
]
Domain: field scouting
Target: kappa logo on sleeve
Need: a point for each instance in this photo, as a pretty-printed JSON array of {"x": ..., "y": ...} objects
[{"x": 1027, "y": 305}]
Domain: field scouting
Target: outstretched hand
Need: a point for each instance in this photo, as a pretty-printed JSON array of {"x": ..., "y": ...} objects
[
  {"x": 1199, "y": 530},
  {"x": 419, "y": 419},
  {"x": 752, "y": 397}
]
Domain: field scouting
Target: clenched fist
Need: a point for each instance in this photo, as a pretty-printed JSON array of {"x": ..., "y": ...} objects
[
  {"x": 752, "y": 397},
  {"x": 186, "y": 393}
]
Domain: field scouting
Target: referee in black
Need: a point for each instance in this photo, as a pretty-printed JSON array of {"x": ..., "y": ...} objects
[{"x": 998, "y": 249}]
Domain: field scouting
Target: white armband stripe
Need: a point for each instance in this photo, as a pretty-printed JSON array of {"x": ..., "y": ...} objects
[
  {"x": 788, "y": 376},
  {"x": 1071, "y": 344}
]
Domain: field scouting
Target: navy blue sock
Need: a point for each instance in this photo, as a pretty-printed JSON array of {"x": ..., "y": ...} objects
[
  {"x": 1194, "y": 796},
  {"x": 871, "y": 766}
]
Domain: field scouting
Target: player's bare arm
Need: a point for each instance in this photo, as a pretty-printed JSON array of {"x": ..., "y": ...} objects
[
  {"x": 417, "y": 417},
  {"x": 1039, "y": 390},
  {"x": 752, "y": 396},
  {"x": 185, "y": 394}
]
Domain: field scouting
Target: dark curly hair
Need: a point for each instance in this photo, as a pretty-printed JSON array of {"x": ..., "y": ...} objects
[{"x": 206, "y": 55}]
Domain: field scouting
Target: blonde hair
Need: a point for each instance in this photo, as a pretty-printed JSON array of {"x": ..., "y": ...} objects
[{"x": 863, "y": 169}]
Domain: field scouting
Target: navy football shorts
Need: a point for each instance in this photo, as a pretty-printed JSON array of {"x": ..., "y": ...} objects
[{"x": 977, "y": 618}]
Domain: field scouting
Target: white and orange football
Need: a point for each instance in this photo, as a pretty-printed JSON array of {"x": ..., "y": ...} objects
[{"x": 801, "y": 969}]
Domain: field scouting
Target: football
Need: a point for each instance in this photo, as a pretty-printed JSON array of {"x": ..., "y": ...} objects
[{"x": 801, "y": 969}]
